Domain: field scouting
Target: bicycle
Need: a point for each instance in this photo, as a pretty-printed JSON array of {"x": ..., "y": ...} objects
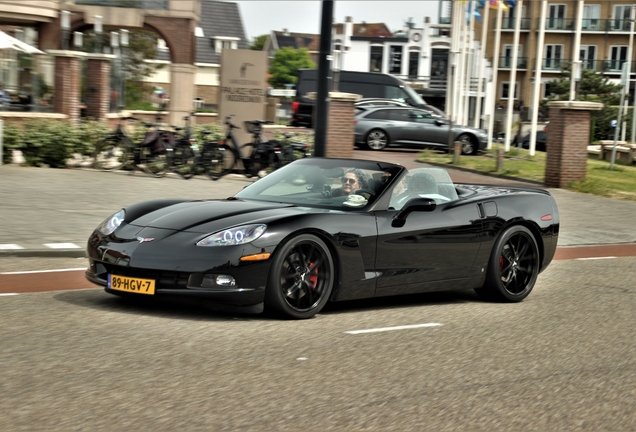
[
  {"x": 117, "y": 150},
  {"x": 186, "y": 157},
  {"x": 258, "y": 161}
]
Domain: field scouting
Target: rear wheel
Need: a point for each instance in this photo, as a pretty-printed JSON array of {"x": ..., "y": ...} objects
[
  {"x": 111, "y": 153},
  {"x": 469, "y": 146},
  {"x": 301, "y": 277},
  {"x": 154, "y": 163},
  {"x": 184, "y": 161},
  {"x": 513, "y": 268},
  {"x": 218, "y": 160},
  {"x": 377, "y": 139}
]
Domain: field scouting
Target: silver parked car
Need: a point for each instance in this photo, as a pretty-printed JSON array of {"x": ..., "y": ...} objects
[{"x": 377, "y": 128}]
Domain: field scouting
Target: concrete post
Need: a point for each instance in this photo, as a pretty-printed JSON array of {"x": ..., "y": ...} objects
[
  {"x": 567, "y": 141},
  {"x": 181, "y": 92}
]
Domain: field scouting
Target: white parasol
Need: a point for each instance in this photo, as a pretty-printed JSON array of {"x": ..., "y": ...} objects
[{"x": 10, "y": 42}]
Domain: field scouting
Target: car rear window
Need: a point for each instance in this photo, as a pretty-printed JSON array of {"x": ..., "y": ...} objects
[
  {"x": 378, "y": 114},
  {"x": 399, "y": 115}
]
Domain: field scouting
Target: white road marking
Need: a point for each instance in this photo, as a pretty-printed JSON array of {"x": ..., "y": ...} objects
[
  {"x": 385, "y": 329},
  {"x": 62, "y": 246},
  {"x": 10, "y": 246},
  {"x": 44, "y": 271},
  {"x": 596, "y": 258},
  {"x": 8, "y": 294}
]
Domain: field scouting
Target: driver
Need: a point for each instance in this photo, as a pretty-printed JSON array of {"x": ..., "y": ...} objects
[{"x": 353, "y": 179}]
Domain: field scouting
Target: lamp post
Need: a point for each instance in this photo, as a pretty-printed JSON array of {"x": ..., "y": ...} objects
[
  {"x": 65, "y": 22},
  {"x": 114, "y": 45},
  {"x": 124, "y": 40},
  {"x": 98, "y": 33}
]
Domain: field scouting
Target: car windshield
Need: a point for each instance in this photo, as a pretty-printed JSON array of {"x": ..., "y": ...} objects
[
  {"x": 325, "y": 183},
  {"x": 433, "y": 183}
]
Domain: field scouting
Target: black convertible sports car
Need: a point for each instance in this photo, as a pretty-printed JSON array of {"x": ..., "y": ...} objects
[{"x": 295, "y": 239}]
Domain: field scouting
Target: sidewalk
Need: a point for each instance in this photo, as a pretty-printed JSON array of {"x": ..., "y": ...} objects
[{"x": 51, "y": 212}]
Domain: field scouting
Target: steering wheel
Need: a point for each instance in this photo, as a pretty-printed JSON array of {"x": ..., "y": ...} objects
[{"x": 364, "y": 191}]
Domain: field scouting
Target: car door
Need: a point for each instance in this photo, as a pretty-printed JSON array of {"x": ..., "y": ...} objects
[
  {"x": 400, "y": 127},
  {"x": 432, "y": 247},
  {"x": 429, "y": 131}
]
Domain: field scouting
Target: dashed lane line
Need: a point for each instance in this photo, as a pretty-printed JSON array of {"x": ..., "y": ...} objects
[{"x": 385, "y": 329}]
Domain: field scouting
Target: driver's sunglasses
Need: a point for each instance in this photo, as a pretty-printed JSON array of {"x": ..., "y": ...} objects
[{"x": 345, "y": 180}]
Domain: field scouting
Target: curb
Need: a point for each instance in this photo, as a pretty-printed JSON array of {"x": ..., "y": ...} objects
[{"x": 43, "y": 253}]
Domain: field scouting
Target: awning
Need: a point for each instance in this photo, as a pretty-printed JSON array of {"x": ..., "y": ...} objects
[{"x": 9, "y": 42}]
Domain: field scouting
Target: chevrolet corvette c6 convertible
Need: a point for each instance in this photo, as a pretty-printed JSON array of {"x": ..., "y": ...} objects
[{"x": 320, "y": 230}]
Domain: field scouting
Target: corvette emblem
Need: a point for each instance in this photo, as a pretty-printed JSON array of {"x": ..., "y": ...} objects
[{"x": 144, "y": 240}]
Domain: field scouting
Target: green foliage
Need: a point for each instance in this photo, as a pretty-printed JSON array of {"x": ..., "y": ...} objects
[
  {"x": 593, "y": 87},
  {"x": 87, "y": 134},
  {"x": 258, "y": 42},
  {"x": 285, "y": 65},
  {"x": 11, "y": 140},
  {"x": 46, "y": 142}
]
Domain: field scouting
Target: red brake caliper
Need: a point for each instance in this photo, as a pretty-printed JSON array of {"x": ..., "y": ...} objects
[
  {"x": 313, "y": 277},
  {"x": 501, "y": 263}
]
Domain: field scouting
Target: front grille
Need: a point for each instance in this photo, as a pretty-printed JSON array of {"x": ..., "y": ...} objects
[{"x": 163, "y": 279}]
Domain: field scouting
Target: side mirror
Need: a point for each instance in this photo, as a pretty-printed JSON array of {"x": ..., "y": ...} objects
[
  {"x": 417, "y": 205},
  {"x": 440, "y": 122}
]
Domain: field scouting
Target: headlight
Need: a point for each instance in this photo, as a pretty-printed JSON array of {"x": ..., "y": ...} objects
[
  {"x": 234, "y": 236},
  {"x": 109, "y": 225}
]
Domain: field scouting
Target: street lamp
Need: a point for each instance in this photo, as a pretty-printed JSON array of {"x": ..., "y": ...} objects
[
  {"x": 124, "y": 39},
  {"x": 65, "y": 22}
]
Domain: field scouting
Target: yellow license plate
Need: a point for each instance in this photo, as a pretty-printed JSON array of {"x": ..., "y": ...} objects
[{"x": 134, "y": 285}]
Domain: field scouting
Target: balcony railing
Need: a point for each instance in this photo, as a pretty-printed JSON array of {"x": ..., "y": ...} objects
[
  {"x": 593, "y": 24},
  {"x": 136, "y": 4},
  {"x": 506, "y": 62},
  {"x": 602, "y": 66},
  {"x": 511, "y": 24}
]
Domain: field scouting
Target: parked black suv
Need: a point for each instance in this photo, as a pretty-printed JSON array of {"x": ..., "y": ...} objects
[{"x": 367, "y": 84}]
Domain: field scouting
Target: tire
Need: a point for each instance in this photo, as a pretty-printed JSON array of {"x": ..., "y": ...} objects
[
  {"x": 184, "y": 161},
  {"x": 111, "y": 154},
  {"x": 218, "y": 160},
  {"x": 154, "y": 164},
  {"x": 301, "y": 278},
  {"x": 468, "y": 144},
  {"x": 377, "y": 139},
  {"x": 513, "y": 267}
]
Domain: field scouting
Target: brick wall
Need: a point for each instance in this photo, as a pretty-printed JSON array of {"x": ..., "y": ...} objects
[
  {"x": 97, "y": 94},
  {"x": 567, "y": 142},
  {"x": 178, "y": 34},
  {"x": 341, "y": 127},
  {"x": 67, "y": 87}
]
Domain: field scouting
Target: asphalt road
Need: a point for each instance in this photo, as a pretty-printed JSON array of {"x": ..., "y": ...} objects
[
  {"x": 84, "y": 360},
  {"x": 561, "y": 360}
]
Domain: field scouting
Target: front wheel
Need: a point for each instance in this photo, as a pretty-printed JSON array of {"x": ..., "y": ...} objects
[
  {"x": 153, "y": 163},
  {"x": 301, "y": 278},
  {"x": 377, "y": 139},
  {"x": 468, "y": 144},
  {"x": 111, "y": 153},
  {"x": 513, "y": 267},
  {"x": 184, "y": 161}
]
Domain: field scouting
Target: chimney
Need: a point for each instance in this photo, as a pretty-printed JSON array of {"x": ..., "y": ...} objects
[{"x": 286, "y": 32}]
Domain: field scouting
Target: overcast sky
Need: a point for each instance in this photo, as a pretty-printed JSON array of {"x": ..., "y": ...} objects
[{"x": 303, "y": 16}]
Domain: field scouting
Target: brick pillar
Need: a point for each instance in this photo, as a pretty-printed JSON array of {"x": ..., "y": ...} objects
[
  {"x": 567, "y": 140},
  {"x": 66, "y": 94},
  {"x": 341, "y": 126},
  {"x": 98, "y": 85}
]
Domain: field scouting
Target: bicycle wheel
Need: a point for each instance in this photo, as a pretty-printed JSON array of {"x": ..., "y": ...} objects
[
  {"x": 155, "y": 164},
  {"x": 111, "y": 153},
  {"x": 184, "y": 161},
  {"x": 217, "y": 160}
]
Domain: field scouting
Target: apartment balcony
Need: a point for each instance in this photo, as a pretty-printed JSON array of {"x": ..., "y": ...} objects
[
  {"x": 506, "y": 62},
  {"x": 511, "y": 24},
  {"x": 587, "y": 25}
]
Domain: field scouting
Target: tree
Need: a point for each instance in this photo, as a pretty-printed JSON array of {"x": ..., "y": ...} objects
[
  {"x": 593, "y": 87},
  {"x": 285, "y": 65},
  {"x": 258, "y": 42}
]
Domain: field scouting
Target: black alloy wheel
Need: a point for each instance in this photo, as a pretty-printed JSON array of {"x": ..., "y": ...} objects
[
  {"x": 513, "y": 266},
  {"x": 468, "y": 143},
  {"x": 377, "y": 139},
  {"x": 301, "y": 278}
]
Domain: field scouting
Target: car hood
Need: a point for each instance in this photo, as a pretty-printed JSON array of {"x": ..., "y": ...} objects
[{"x": 212, "y": 215}]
